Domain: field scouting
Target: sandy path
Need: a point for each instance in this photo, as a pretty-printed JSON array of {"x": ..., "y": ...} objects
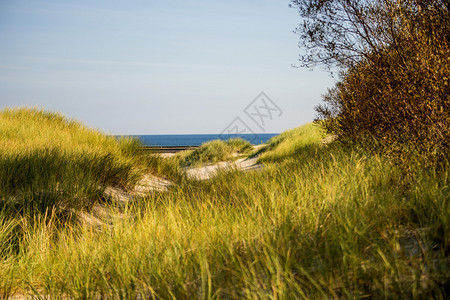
[
  {"x": 208, "y": 171},
  {"x": 147, "y": 184},
  {"x": 151, "y": 183},
  {"x": 101, "y": 214}
]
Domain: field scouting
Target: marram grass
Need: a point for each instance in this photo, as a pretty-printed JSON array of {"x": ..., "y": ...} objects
[
  {"x": 215, "y": 151},
  {"x": 47, "y": 160},
  {"x": 323, "y": 222},
  {"x": 291, "y": 142}
]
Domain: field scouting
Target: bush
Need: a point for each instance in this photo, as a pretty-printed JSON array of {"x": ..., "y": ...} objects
[
  {"x": 395, "y": 101},
  {"x": 394, "y": 58}
]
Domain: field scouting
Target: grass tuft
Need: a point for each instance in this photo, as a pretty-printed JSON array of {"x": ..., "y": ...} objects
[
  {"x": 291, "y": 143},
  {"x": 49, "y": 161},
  {"x": 215, "y": 151}
]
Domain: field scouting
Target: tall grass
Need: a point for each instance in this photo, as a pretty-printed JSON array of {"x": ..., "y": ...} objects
[
  {"x": 291, "y": 142},
  {"x": 324, "y": 222},
  {"x": 49, "y": 161},
  {"x": 215, "y": 151}
]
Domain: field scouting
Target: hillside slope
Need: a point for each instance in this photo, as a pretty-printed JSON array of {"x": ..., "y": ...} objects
[{"x": 47, "y": 160}]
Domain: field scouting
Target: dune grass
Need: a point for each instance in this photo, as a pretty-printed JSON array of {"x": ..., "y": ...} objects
[
  {"x": 47, "y": 161},
  {"x": 322, "y": 222},
  {"x": 291, "y": 142},
  {"x": 215, "y": 151}
]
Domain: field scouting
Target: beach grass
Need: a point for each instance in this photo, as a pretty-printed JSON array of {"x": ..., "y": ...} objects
[
  {"x": 319, "y": 221},
  {"x": 291, "y": 143},
  {"x": 215, "y": 151},
  {"x": 47, "y": 160}
]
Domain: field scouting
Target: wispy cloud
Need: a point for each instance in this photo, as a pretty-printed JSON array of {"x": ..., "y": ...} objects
[
  {"x": 136, "y": 63},
  {"x": 6, "y": 67}
]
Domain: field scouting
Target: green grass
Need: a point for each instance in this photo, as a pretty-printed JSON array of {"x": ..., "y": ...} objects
[
  {"x": 290, "y": 143},
  {"x": 321, "y": 222},
  {"x": 47, "y": 161},
  {"x": 215, "y": 151}
]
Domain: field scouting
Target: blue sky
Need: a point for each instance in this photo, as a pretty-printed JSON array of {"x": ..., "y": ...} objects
[{"x": 156, "y": 67}]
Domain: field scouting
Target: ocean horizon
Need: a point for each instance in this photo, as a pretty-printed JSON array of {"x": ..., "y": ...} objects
[{"x": 167, "y": 140}]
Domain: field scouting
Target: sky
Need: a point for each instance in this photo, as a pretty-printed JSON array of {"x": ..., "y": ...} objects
[{"x": 158, "y": 66}]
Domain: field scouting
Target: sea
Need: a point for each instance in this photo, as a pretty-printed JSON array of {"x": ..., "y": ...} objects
[{"x": 168, "y": 140}]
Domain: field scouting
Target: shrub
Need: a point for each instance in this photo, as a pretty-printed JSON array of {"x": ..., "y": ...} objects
[{"x": 394, "y": 63}]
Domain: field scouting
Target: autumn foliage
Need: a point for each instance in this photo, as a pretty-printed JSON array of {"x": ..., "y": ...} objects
[{"x": 394, "y": 92}]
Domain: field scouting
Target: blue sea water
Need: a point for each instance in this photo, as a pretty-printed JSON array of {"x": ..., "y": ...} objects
[{"x": 198, "y": 139}]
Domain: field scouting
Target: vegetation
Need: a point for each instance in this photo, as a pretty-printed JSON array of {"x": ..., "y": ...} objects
[
  {"x": 289, "y": 143},
  {"x": 393, "y": 58},
  {"x": 316, "y": 222},
  {"x": 47, "y": 161},
  {"x": 320, "y": 220},
  {"x": 215, "y": 151}
]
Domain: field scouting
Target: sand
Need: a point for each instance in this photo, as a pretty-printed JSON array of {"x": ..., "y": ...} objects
[{"x": 208, "y": 171}]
